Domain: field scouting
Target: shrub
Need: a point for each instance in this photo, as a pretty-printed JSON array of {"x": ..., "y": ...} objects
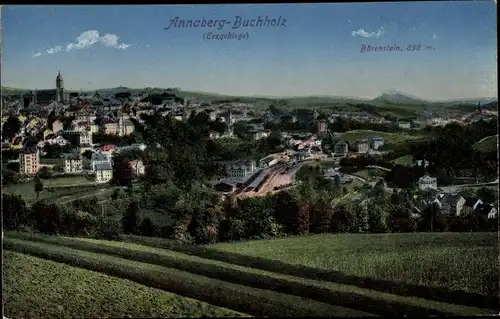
[
  {"x": 108, "y": 229},
  {"x": 146, "y": 228}
]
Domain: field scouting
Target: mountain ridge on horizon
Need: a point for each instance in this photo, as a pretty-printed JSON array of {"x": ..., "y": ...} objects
[{"x": 390, "y": 96}]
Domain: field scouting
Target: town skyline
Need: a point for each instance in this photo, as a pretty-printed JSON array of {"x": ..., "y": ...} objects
[{"x": 295, "y": 60}]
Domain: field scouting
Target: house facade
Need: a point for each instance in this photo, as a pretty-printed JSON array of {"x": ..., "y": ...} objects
[
  {"x": 268, "y": 161},
  {"x": 427, "y": 183},
  {"x": 103, "y": 172},
  {"x": 377, "y": 142},
  {"x": 138, "y": 168},
  {"x": 239, "y": 170},
  {"x": 73, "y": 164},
  {"x": 29, "y": 161},
  {"x": 362, "y": 146},
  {"x": 57, "y": 126},
  {"x": 341, "y": 148},
  {"x": 453, "y": 203},
  {"x": 99, "y": 158}
]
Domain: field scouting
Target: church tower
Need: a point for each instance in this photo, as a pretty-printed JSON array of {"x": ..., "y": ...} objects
[{"x": 60, "y": 88}]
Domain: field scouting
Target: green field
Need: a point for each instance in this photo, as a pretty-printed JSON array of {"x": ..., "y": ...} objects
[
  {"x": 487, "y": 144},
  {"x": 313, "y": 275},
  {"x": 39, "y": 288},
  {"x": 389, "y": 138},
  {"x": 370, "y": 174},
  {"x": 27, "y": 191},
  {"x": 406, "y": 160},
  {"x": 459, "y": 261}
]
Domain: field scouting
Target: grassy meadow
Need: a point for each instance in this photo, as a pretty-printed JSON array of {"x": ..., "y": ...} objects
[
  {"x": 56, "y": 290},
  {"x": 55, "y": 190},
  {"x": 487, "y": 144},
  {"x": 389, "y": 138},
  {"x": 406, "y": 160},
  {"x": 459, "y": 261},
  {"x": 345, "y": 274}
]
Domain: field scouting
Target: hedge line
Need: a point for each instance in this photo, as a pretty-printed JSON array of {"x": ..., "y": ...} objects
[
  {"x": 403, "y": 289},
  {"x": 351, "y": 297},
  {"x": 252, "y": 301}
]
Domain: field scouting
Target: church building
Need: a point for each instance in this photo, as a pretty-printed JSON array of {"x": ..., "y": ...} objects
[{"x": 45, "y": 97}]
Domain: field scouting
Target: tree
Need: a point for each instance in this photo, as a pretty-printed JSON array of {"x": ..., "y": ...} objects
[
  {"x": 344, "y": 219},
  {"x": 9, "y": 177},
  {"x": 400, "y": 220},
  {"x": 47, "y": 218},
  {"x": 10, "y": 127},
  {"x": 146, "y": 228},
  {"x": 429, "y": 217},
  {"x": 38, "y": 186},
  {"x": 130, "y": 219},
  {"x": 377, "y": 220},
  {"x": 44, "y": 173},
  {"x": 14, "y": 210},
  {"x": 486, "y": 194},
  {"x": 337, "y": 182}
]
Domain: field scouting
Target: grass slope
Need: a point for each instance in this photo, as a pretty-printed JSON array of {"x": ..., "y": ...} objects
[
  {"x": 234, "y": 296},
  {"x": 326, "y": 292},
  {"x": 55, "y": 290},
  {"x": 406, "y": 160},
  {"x": 487, "y": 144},
  {"x": 389, "y": 138},
  {"x": 27, "y": 191},
  {"x": 458, "y": 261}
]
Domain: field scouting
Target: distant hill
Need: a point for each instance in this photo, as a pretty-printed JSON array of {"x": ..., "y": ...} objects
[
  {"x": 389, "y": 98},
  {"x": 395, "y": 97}
]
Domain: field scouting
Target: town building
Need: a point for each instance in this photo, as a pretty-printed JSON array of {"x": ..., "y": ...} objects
[
  {"x": 57, "y": 126},
  {"x": 125, "y": 127},
  {"x": 256, "y": 135},
  {"x": 404, "y": 125},
  {"x": 341, "y": 148},
  {"x": 239, "y": 171},
  {"x": 46, "y": 97},
  {"x": 427, "y": 183},
  {"x": 78, "y": 138},
  {"x": 138, "y": 168},
  {"x": 73, "y": 164},
  {"x": 268, "y": 161},
  {"x": 103, "y": 172},
  {"x": 108, "y": 149},
  {"x": 214, "y": 135},
  {"x": 362, "y": 146},
  {"x": 377, "y": 142},
  {"x": 134, "y": 146},
  {"x": 29, "y": 161},
  {"x": 322, "y": 126},
  {"x": 453, "y": 203},
  {"x": 99, "y": 158}
]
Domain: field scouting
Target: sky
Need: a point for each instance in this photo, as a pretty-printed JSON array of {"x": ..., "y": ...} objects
[{"x": 316, "y": 51}]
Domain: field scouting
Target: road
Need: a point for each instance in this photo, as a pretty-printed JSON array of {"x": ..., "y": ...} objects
[
  {"x": 72, "y": 198},
  {"x": 456, "y": 188},
  {"x": 379, "y": 167}
]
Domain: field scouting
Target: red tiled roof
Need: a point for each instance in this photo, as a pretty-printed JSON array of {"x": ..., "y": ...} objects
[
  {"x": 108, "y": 147},
  {"x": 132, "y": 163}
]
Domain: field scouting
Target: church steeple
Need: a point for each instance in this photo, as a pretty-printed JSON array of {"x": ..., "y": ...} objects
[{"x": 60, "y": 87}]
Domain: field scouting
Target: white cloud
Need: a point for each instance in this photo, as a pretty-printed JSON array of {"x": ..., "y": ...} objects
[
  {"x": 362, "y": 33},
  {"x": 55, "y": 49},
  {"x": 435, "y": 36},
  {"x": 88, "y": 39},
  {"x": 37, "y": 54}
]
